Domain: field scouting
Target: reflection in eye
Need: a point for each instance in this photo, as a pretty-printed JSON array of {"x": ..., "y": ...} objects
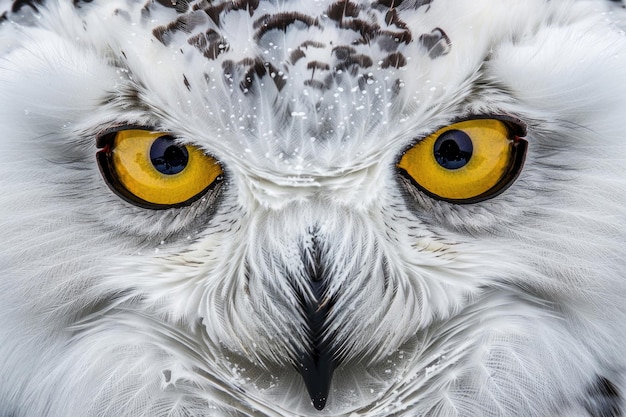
[
  {"x": 453, "y": 149},
  {"x": 167, "y": 157}
]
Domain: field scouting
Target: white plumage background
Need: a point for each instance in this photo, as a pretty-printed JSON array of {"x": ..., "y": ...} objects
[{"x": 313, "y": 275}]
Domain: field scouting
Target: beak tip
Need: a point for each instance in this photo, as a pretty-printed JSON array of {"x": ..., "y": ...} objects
[
  {"x": 317, "y": 377},
  {"x": 319, "y": 402}
]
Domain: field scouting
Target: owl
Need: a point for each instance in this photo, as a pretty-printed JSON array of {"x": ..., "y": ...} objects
[{"x": 280, "y": 208}]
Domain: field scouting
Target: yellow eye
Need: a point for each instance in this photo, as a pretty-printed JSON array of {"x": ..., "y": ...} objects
[
  {"x": 466, "y": 162},
  {"x": 152, "y": 170}
]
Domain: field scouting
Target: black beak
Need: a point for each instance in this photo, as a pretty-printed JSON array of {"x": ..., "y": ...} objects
[{"x": 316, "y": 365}]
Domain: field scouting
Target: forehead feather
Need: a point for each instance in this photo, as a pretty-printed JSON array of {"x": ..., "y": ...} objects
[{"x": 303, "y": 82}]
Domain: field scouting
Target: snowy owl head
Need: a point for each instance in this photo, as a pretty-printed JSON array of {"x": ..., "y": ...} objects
[{"x": 313, "y": 208}]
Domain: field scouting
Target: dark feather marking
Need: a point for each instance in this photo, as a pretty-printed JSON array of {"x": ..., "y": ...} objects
[
  {"x": 436, "y": 42},
  {"x": 259, "y": 69},
  {"x": 396, "y": 60},
  {"x": 167, "y": 3},
  {"x": 416, "y": 4},
  {"x": 181, "y": 6},
  {"x": 186, "y": 82},
  {"x": 320, "y": 85},
  {"x": 363, "y": 81},
  {"x": 184, "y": 24},
  {"x": 214, "y": 12},
  {"x": 279, "y": 81},
  {"x": 160, "y": 33},
  {"x": 398, "y": 37},
  {"x": 281, "y": 21},
  {"x": 604, "y": 399},
  {"x": 367, "y": 30},
  {"x": 145, "y": 11},
  {"x": 313, "y": 66},
  {"x": 250, "y": 5},
  {"x": 317, "y": 65},
  {"x": 200, "y": 41},
  {"x": 341, "y": 9},
  {"x": 343, "y": 52},
  {"x": 312, "y": 44},
  {"x": 420, "y": 3},
  {"x": 370, "y": 31},
  {"x": 228, "y": 69},
  {"x": 392, "y": 18},
  {"x": 397, "y": 86},
  {"x": 252, "y": 69},
  {"x": 167, "y": 375},
  {"x": 201, "y": 5},
  {"x": 296, "y": 55},
  {"x": 390, "y": 3},
  {"x": 348, "y": 57},
  {"x": 210, "y": 43},
  {"x": 359, "y": 60},
  {"x": 18, "y": 4}
]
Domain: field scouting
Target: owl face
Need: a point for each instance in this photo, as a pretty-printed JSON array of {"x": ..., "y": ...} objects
[{"x": 321, "y": 208}]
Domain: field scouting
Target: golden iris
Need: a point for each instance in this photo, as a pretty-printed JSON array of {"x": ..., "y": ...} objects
[
  {"x": 466, "y": 161},
  {"x": 152, "y": 169}
]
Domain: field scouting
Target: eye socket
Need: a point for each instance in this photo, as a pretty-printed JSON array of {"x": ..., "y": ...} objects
[
  {"x": 466, "y": 162},
  {"x": 153, "y": 170}
]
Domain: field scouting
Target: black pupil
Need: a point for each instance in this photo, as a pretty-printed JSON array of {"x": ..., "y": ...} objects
[
  {"x": 453, "y": 149},
  {"x": 167, "y": 156}
]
